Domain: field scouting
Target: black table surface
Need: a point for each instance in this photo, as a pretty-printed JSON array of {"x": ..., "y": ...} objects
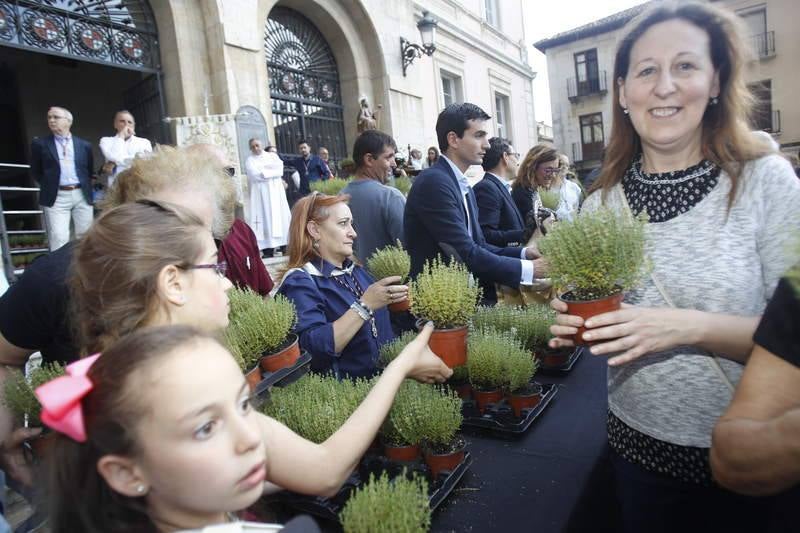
[{"x": 555, "y": 477}]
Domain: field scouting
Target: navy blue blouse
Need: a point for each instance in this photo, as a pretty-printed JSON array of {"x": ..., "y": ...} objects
[{"x": 320, "y": 300}]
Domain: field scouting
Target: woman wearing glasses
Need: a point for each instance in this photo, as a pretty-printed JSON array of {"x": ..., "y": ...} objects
[
  {"x": 342, "y": 319},
  {"x": 541, "y": 169}
]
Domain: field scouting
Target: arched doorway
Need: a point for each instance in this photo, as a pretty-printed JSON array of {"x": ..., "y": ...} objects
[{"x": 304, "y": 85}]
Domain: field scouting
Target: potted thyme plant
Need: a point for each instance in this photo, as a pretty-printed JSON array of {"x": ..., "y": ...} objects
[
  {"x": 447, "y": 295},
  {"x": 392, "y": 505},
  {"x": 440, "y": 419},
  {"x": 401, "y": 431},
  {"x": 20, "y": 397},
  {"x": 391, "y": 261},
  {"x": 549, "y": 198},
  {"x": 530, "y": 325},
  {"x": 594, "y": 259},
  {"x": 485, "y": 364},
  {"x": 520, "y": 367},
  {"x": 403, "y": 184},
  {"x": 259, "y": 333}
]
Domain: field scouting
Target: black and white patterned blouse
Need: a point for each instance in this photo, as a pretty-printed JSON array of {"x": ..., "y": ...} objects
[{"x": 666, "y": 195}]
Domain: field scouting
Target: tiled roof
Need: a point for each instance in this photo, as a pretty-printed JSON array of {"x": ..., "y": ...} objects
[{"x": 598, "y": 27}]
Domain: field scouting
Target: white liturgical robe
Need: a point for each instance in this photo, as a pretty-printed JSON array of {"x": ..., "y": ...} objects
[{"x": 269, "y": 209}]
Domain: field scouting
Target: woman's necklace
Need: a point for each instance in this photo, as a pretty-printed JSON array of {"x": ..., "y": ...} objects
[
  {"x": 349, "y": 282},
  {"x": 704, "y": 168}
]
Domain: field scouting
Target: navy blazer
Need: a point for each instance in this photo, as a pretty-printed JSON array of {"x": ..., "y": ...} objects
[
  {"x": 435, "y": 222},
  {"x": 500, "y": 220},
  {"x": 46, "y": 169}
]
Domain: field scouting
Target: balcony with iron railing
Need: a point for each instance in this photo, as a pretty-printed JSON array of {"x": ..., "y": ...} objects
[
  {"x": 763, "y": 44},
  {"x": 588, "y": 87}
]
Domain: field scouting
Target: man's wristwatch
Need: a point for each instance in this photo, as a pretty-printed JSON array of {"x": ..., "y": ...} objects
[{"x": 363, "y": 311}]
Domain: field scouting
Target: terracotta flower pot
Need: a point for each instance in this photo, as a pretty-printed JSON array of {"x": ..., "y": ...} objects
[
  {"x": 405, "y": 454},
  {"x": 590, "y": 308},
  {"x": 554, "y": 357},
  {"x": 450, "y": 345},
  {"x": 284, "y": 358},
  {"x": 484, "y": 398},
  {"x": 525, "y": 399},
  {"x": 253, "y": 377},
  {"x": 399, "y": 307},
  {"x": 445, "y": 461}
]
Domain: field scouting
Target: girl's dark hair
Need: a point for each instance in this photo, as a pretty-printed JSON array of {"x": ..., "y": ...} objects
[
  {"x": 727, "y": 139},
  {"x": 115, "y": 268},
  {"x": 80, "y": 499}
]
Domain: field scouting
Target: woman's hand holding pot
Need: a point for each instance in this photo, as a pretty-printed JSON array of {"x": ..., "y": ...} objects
[
  {"x": 384, "y": 292},
  {"x": 565, "y": 327},
  {"x": 420, "y": 362}
]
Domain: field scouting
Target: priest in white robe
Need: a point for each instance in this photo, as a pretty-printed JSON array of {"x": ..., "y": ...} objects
[{"x": 269, "y": 209}]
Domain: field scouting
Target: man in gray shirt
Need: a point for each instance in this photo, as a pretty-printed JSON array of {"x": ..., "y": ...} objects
[{"x": 377, "y": 208}]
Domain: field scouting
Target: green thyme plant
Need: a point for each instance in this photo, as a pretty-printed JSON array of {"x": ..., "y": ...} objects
[
  {"x": 487, "y": 350},
  {"x": 530, "y": 325},
  {"x": 398, "y": 505},
  {"x": 19, "y": 395},
  {"x": 330, "y": 187},
  {"x": 440, "y": 417},
  {"x": 390, "y": 350},
  {"x": 402, "y": 425},
  {"x": 403, "y": 184},
  {"x": 597, "y": 254},
  {"x": 460, "y": 374},
  {"x": 257, "y": 326},
  {"x": 520, "y": 366},
  {"x": 315, "y": 406},
  {"x": 389, "y": 261},
  {"x": 549, "y": 198},
  {"x": 445, "y": 293}
]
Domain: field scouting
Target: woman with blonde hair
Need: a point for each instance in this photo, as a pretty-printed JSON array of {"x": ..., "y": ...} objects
[
  {"x": 722, "y": 208},
  {"x": 542, "y": 169},
  {"x": 342, "y": 318}
]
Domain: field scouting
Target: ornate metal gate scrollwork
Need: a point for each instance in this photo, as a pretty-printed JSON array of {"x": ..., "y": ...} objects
[
  {"x": 304, "y": 84},
  {"x": 121, "y": 33}
]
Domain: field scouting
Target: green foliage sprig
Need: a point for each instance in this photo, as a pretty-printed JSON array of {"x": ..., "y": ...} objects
[
  {"x": 520, "y": 366},
  {"x": 402, "y": 425},
  {"x": 390, "y": 350},
  {"x": 403, "y": 184},
  {"x": 549, "y": 198},
  {"x": 330, "y": 187},
  {"x": 445, "y": 294},
  {"x": 315, "y": 407},
  {"x": 491, "y": 353},
  {"x": 398, "y": 505},
  {"x": 257, "y": 325},
  {"x": 597, "y": 254},
  {"x": 530, "y": 325},
  {"x": 441, "y": 415},
  {"x": 389, "y": 261},
  {"x": 19, "y": 395}
]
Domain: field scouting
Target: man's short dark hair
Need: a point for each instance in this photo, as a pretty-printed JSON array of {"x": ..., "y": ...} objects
[
  {"x": 303, "y": 141},
  {"x": 454, "y": 118},
  {"x": 497, "y": 147},
  {"x": 371, "y": 142}
]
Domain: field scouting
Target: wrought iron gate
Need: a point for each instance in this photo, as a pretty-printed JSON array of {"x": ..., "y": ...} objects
[{"x": 304, "y": 85}]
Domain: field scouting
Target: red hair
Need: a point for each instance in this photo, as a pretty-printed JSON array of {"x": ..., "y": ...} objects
[{"x": 316, "y": 206}]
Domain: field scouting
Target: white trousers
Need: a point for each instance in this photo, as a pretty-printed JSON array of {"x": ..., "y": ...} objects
[{"x": 69, "y": 205}]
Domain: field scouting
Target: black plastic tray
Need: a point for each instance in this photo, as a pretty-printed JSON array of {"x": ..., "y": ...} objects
[
  {"x": 500, "y": 417},
  {"x": 329, "y": 508},
  {"x": 284, "y": 376},
  {"x": 566, "y": 367}
]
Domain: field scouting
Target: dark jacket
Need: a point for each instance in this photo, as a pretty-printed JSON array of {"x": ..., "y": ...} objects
[
  {"x": 523, "y": 199},
  {"x": 435, "y": 222},
  {"x": 46, "y": 170},
  {"x": 500, "y": 219}
]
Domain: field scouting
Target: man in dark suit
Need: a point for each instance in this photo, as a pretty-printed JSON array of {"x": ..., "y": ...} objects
[
  {"x": 310, "y": 167},
  {"x": 499, "y": 217},
  {"x": 62, "y": 166},
  {"x": 441, "y": 216}
]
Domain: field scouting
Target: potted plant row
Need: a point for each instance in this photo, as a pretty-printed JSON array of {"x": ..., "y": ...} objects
[
  {"x": 403, "y": 184},
  {"x": 500, "y": 367},
  {"x": 391, "y": 261},
  {"x": 594, "y": 259},
  {"x": 446, "y": 294},
  {"x": 259, "y": 333},
  {"x": 398, "y": 505},
  {"x": 20, "y": 398},
  {"x": 24, "y": 242}
]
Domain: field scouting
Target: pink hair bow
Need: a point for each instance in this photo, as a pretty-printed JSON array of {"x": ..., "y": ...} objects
[{"x": 61, "y": 399}]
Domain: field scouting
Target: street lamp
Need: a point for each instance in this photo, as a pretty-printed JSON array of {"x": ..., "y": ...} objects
[{"x": 410, "y": 51}]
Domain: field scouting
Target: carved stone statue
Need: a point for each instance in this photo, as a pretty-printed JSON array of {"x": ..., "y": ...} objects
[{"x": 367, "y": 119}]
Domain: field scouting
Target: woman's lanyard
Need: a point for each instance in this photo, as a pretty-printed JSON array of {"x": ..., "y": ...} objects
[{"x": 355, "y": 289}]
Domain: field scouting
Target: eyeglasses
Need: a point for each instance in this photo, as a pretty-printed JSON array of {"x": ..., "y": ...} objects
[
  {"x": 551, "y": 170},
  {"x": 230, "y": 171},
  {"x": 220, "y": 268}
]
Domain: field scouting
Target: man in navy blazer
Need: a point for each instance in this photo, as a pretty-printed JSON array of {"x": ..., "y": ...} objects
[
  {"x": 499, "y": 217},
  {"x": 441, "y": 217},
  {"x": 62, "y": 165}
]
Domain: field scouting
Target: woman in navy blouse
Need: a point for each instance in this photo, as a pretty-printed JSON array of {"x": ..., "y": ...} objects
[{"x": 342, "y": 319}]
